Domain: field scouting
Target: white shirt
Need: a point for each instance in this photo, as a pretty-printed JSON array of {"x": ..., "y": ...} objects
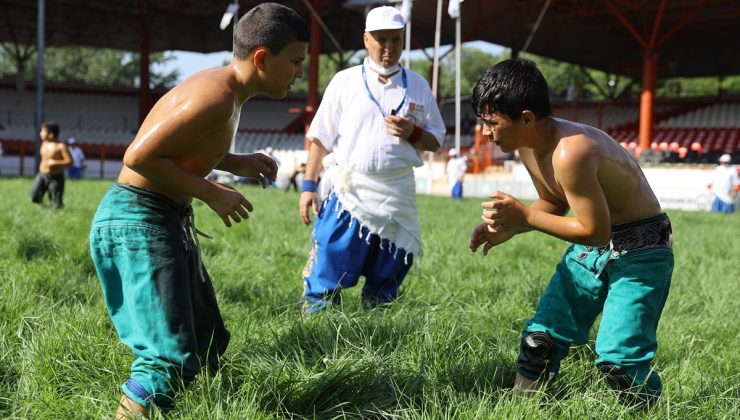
[
  {"x": 724, "y": 180},
  {"x": 349, "y": 124},
  {"x": 78, "y": 156},
  {"x": 456, "y": 169}
]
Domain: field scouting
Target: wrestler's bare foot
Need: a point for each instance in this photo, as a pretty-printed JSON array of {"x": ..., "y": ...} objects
[
  {"x": 129, "y": 409},
  {"x": 524, "y": 386}
]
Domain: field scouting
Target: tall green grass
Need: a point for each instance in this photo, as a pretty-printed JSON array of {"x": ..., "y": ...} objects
[{"x": 444, "y": 350}]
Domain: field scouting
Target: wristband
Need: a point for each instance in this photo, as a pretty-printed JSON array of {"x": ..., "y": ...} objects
[
  {"x": 415, "y": 135},
  {"x": 308, "y": 186}
]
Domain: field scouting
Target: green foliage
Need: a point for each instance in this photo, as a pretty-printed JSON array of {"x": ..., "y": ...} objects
[
  {"x": 474, "y": 63},
  {"x": 92, "y": 66},
  {"x": 445, "y": 349},
  {"x": 699, "y": 86},
  {"x": 329, "y": 65}
]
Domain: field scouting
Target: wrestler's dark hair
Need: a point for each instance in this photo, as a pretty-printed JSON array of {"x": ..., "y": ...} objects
[
  {"x": 51, "y": 127},
  {"x": 510, "y": 87},
  {"x": 270, "y": 24}
]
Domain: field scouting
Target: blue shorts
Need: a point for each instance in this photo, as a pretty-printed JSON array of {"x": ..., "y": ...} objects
[
  {"x": 74, "y": 172},
  {"x": 628, "y": 290},
  {"x": 457, "y": 191},
  {"x": 163, "y": 309},
  {"x": 719, "y": 206},
  {"x": 341, "y": 252}
]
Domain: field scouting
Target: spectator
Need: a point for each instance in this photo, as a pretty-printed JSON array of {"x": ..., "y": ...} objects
[
  {"x": 55, "y": 159},
  {"x": 293, "y": 181},
  {"x": 456, "y": 169},
  {"x": 269, "y": 151},
  {"x": 78, "y": 159},
  {"x": 724, "y": 185},
  {"x": 374, "y": 119},
  {"x": 673, "y": 153}
]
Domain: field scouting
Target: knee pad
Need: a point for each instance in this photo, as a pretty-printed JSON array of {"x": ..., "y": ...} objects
[
  {"x": 536, "y": 356},
  {"x": 615, "y": 378},
  {"x": 623, "y": 385}
]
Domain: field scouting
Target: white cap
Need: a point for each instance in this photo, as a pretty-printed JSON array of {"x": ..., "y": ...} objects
[
  {"x": 71, "y": 140},
  {"x": 726, "y": 158},
  {"x": 453, "y": 152},
  {"x": 382, "y": 18}
]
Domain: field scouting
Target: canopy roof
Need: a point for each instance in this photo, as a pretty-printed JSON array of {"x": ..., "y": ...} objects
[{"x": 691, "y": 37}]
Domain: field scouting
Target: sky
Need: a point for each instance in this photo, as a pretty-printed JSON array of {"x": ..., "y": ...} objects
[{"x": 189, "y": 63}]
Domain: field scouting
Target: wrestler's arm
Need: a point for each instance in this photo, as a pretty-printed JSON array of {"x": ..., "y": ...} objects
[
  {"x": 546, "y": 202},
  {"x": 252, "y": 165},
  {"x": 492, "y": 232},
  {"x": 169, "y": 132},
  {"x": 575, "y": 165}
]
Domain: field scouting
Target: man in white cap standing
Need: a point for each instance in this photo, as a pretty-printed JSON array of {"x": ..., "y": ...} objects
[
  {"x": 724, "y": 185},
  {"x": 456, "y": 168},
  {"x": 78, "y": 159},
  {"x": 368, "y": 132}
]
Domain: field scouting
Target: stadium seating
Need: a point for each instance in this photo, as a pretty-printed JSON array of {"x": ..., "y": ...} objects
[{"x": 105, "y": 120}]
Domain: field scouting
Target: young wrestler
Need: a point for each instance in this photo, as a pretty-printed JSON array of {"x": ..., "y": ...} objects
[
  {"x": 621, "y": 261},
  {"x": 55, "y": 158},
  {"x": 143, "y": 238}
]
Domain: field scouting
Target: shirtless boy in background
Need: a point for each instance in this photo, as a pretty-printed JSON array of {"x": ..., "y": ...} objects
[{"x": 55, "y": 158}]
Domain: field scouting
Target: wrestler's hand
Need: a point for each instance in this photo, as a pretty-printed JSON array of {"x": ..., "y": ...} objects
[
  {"x": 482, "y": 236},
  {"x": 258, "y": 166},
  {"x": 398, "y": 126},
  {"x": 308, "y": 199},
  {"x": 229, "y": 203},
  {"x": 505, "y": 213}
]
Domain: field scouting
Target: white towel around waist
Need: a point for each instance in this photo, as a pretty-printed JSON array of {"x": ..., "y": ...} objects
[{"x": 384, "y": 202}]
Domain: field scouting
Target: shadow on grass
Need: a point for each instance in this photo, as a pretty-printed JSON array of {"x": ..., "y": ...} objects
[{"x": 35, "y": 245}]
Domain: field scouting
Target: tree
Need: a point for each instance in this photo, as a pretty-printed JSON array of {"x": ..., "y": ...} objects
[
  {"x": 329, "y": 65},
  {"x": 474, "y": 63},
  {"x": 567, "y": 81},
  {"x": 698, "y": 86},
  {"x": 570, "y": 81},
  {"x": 89, "y": 66}
]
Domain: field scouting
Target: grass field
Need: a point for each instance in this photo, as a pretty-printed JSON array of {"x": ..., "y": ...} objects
[{"x": 444, "y": 350}]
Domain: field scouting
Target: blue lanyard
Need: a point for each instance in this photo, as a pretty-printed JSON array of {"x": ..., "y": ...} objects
[{"x": 372, "y": 98}]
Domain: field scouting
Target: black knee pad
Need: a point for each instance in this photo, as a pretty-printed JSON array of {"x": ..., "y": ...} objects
[
  {"x": 619, "y": 382},
  {"x": 536, "y": 356},
  {"x": 615, "y": 378}
]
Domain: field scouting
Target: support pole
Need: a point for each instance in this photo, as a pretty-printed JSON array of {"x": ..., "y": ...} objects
[
  {"x": 39, "y": 114},
  {"x": 144, "y": 49},
  {"x": 647, "y": 99},
  {"x": 313, "y": 77},
  {"x": 457, "y": 82},
  {"x": 477, "y": 157},
  {"x": 144, "y": 91},
  {"x": 435, "y": 64},
  {"x": 407, "y": 58}
]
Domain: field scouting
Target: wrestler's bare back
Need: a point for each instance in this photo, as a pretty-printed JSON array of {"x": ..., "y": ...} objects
[
  {"x": 627, "y": 192},
  {"x": 213, "y": 88}
]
